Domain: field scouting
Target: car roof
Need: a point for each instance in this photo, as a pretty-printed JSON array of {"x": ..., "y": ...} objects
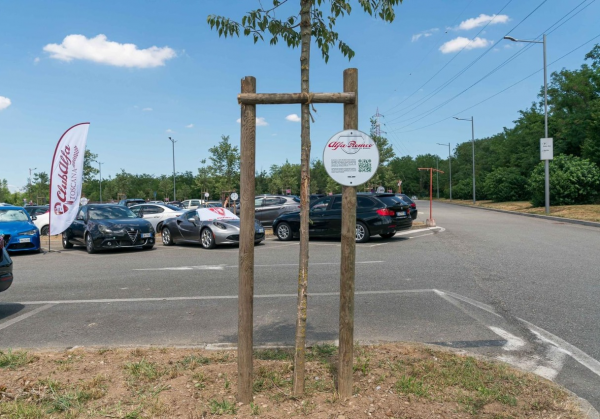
[{"x": 13, "y": 207}]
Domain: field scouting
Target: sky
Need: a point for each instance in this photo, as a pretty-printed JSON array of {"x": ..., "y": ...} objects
[{"x": 143, "y": 71}]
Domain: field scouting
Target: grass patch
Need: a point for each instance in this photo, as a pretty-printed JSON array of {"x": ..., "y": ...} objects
[
  {"x": 275, "y": 354},
  {"x": 223, "y": 407},
  {"x": 144, "y": 370},
  {"x": 410, "y": 385},
  {"x": 15, "y": 359}
]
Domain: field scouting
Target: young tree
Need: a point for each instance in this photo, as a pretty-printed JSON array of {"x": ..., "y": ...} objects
[{"x": 316, "y": 18}]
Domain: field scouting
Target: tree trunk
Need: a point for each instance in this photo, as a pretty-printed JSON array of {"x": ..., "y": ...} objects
[{"x": 305, "y": 32}]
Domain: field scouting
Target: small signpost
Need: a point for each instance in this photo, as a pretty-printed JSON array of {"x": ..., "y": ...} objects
[
  {"x": 399, "y": 186},
  {"x": 381, "y": 189},
  {"x": 546, "y": 148},
  {"x": 351, "y": 158},
  {"x": 430, "y": 222},
  {"x": 234, "y": 197},
  {"x": 206, "y": 195}
]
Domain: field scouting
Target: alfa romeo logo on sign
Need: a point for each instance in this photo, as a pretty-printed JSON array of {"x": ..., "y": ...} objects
[{"x": 351, "y": 157}]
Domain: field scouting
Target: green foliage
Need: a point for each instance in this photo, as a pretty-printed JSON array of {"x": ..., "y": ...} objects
[
  {"x": 505, "y": 184},
  {"x": 573, "y": 180},
  {"x": 264, "y": 22}
]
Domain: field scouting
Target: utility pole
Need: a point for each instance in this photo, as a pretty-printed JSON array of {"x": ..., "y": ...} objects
[
  {"x": 449, "y": 167},
  {"x": 437, "y": 175},
  {"x": 173, "y": 141}
]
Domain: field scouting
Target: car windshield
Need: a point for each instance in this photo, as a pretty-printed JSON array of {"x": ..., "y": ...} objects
[
  {"x": 391, "y": 201},
  {"x": 102, "y": 213},
  {"x": 9, "y": 215},
  {"x": 172, "y": 207}
]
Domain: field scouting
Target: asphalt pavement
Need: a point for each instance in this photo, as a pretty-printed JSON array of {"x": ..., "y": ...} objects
[{"x": 519, "y": 289}]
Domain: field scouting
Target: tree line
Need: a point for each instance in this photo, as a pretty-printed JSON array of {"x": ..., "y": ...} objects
[{"x": 507, "y": 165}]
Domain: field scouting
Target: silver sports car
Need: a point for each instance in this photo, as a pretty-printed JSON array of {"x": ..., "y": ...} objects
[{"x": 208, "y": 226}]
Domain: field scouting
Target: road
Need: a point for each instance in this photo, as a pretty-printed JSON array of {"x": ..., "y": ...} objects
[{"x": 515, "y": 288}]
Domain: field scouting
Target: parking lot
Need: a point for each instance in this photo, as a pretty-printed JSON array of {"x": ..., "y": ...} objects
[{"x": 425, "y": 285}]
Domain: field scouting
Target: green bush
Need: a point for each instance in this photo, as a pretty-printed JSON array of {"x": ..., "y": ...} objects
[
  {"x": 463, "y": 189},
  {"x": 573, "y": 180},
  {"x": 505, "y": 184}
]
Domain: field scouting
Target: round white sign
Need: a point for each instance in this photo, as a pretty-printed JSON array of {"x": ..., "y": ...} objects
[
  {"x": 206, "y": 194},
  {"x": 381, "y": 189},
  {"x": 351, "y": 157},
  {"x": 83, "y": 201},
  {"x": 234, "y": 196}
]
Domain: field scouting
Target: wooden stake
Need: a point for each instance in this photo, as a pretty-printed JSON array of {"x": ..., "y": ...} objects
[
  {"x": 348, "y": 256},
  {"x": 286, "y": 98},
  {"x": 246, "y": 252}
]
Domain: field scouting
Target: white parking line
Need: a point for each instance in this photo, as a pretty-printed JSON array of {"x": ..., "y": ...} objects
[{"x": 26, "y": 315}]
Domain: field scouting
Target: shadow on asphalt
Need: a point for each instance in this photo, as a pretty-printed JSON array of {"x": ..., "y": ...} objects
[
  {"x": 282, "y": 333},
  {"x": 9, "y": 309}
]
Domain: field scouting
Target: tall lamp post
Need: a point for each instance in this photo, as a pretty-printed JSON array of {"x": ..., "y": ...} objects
[
  {"x": 449, "y": 167},
  {"x": 546, "y": 162},
  {"x": 437, "y": 175},
  {"x": 30, "y": 170},
  {"x": 100, "y": 167},
  {"x": 473, "y": 145},
  {"x": 173, "y": 141}
]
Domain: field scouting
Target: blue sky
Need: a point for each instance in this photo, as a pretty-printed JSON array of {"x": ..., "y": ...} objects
[{"x": 179, "y": 79}]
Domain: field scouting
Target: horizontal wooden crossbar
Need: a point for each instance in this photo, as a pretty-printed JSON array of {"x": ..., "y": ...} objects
[{"x": 289, "y": 98}]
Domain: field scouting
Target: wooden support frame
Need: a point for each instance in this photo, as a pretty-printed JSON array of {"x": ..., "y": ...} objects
[{"x": 248, "y": 99}]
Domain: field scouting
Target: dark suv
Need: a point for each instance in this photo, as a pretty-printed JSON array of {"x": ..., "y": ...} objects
[{"x": 382, "y": 214}]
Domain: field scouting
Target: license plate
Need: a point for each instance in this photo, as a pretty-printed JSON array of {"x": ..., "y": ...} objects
[
  {"x": 261, "y": 230},
  {"x": 146, "y": 235},
  {"x": 25, "y": 240},
  {"x": 401, "y": 214}
]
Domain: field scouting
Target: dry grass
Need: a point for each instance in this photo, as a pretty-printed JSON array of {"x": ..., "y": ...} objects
[
  {"x": 575, "y": 212},
  {"x": 393, "y": 380}
]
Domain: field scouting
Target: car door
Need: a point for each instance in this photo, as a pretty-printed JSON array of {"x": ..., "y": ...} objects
[
  {"x": 272, "y": 208},
  {"x": 332, "y": 218},
  {"x": 78, "y": 225},
  {"x": 318, "y": 223},
  {"x": 189, "y": 226},
  {"x": 152, "y": 213},
  {"x": 259, "y": 210}
]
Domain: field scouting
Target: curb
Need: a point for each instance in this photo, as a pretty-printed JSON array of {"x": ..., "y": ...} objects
[{"x": 540, "y": 217}]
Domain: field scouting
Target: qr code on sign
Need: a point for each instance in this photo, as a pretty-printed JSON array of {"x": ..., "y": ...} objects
[{"x": 364, "y": 165}]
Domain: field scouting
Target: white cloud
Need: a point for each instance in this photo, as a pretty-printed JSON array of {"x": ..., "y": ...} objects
[
  {"x": 260, "y": 121},
  {"x": 293, "y": 118},
  {"x": 459, "y": 43},
  {"x": 190, "y": 126},
  {"x": 101, "y": 50},
  {"x": 482, "y": 20},
  {"x": 147, "y": 109},
  {"x": 4, "y": 102},
  {"x": 36, "y": 60},
  {"x": 169, "y": 131},
  {"x": 424, "y": 34}
]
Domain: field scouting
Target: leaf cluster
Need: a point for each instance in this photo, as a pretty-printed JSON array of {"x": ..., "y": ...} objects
[{"x": 263, "y": 23}]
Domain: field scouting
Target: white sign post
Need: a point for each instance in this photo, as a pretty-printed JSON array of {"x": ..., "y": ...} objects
[
  {"x": 546, "y": 149},
  {"x": 206, "y": 195},
  {"x": 234, "y": 196},
  {"x": 351, "y": 157}
]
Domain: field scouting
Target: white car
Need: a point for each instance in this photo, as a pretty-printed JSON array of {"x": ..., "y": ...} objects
[
  {"x": 42, "y": 220},
  {"x": 189, "y": 204},
  {"x": 156, "y": 213}
]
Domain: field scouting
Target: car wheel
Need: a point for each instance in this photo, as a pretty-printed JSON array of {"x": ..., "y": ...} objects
[
  {"x": 167, "y": 239},
  {"x": 362, "y": 232},
  {"x": 284, "y": 232},
  {"x": 388, "y": 235},
  {"x": 159, "y": 227},
  {"x": 65, "y": 241},
  {"x": 207, "y": 240},
  {"x": 89, "y": 244},
  {"x": 44, "y": 231}
]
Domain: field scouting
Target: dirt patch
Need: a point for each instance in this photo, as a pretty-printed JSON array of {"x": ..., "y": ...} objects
[{"x": 391, "y": 380}]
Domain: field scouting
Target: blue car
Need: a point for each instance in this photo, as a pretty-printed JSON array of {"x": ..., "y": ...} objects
[{"x": 20, "y": 234}]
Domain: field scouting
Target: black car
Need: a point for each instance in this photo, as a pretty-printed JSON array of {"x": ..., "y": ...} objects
[
  {"x": 105, "y": 226},
  {"x": 382, "y": 214},
  {"x": 132, "y": 202},
  {"x": 413, "y": 206},
  {"x": 6, "y": 275}
]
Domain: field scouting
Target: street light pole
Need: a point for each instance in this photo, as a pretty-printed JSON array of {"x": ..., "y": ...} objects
[
  {"x": 30, "y": 170},
  {"x": 473, "y": 147},
  {"x": 100, "y": 166},
  {"x": 437, "y": 175},
  {"x": 449, "y": 167},
  {"x": 173, "y": 141},
  {"x": 546, "y": 162}
]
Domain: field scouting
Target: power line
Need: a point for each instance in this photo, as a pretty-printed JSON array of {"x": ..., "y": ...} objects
[
  {"x": 507, "y": 61},
  {"x": 461, "y": 72},
  {"x": 498, "y": 93},
  {"x": 452, "y": 59}
]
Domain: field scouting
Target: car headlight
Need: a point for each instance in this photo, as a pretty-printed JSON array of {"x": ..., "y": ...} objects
[
  {"x": 151, "y": 229},
  {"x": 104, "y": 230},
  {"x": 220, "y": 225},
  {"x": 29, "y": 233}
]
